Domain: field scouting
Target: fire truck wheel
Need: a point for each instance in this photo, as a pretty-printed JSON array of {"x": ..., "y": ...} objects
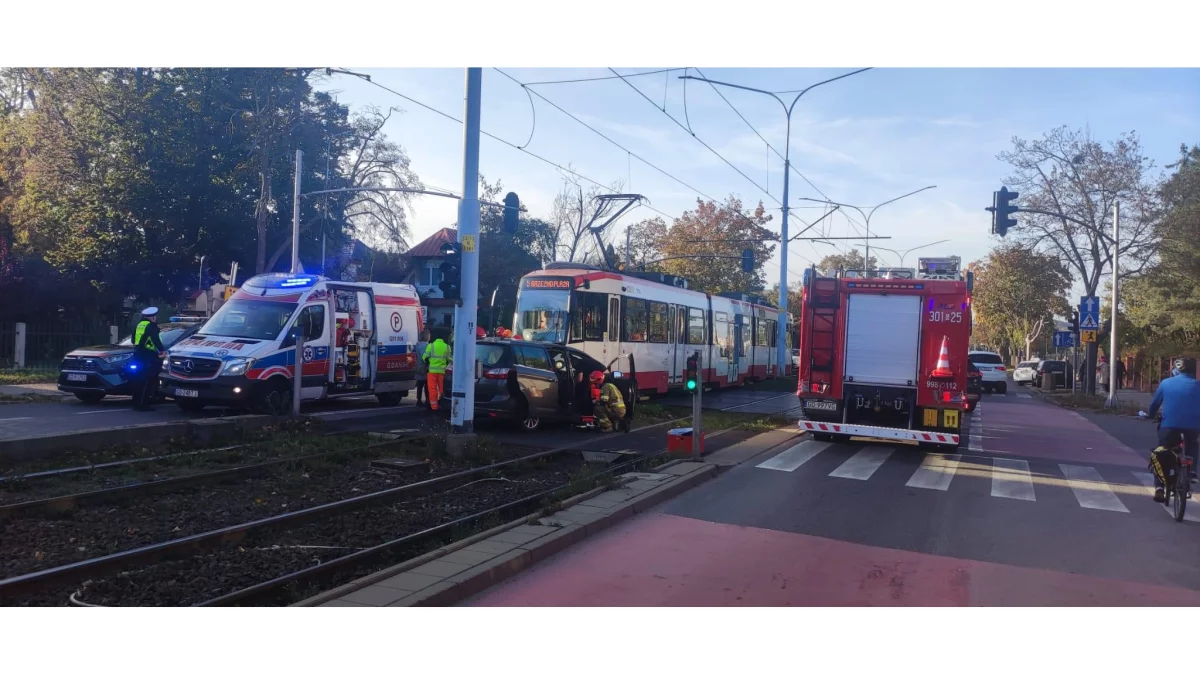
[
  {"x": 824, "y": 438},
  {"x": 390, "y": 399}
]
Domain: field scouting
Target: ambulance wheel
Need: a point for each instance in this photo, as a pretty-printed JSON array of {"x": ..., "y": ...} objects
[
  {"x": 276, "y": 397},
  {"x": 89, "y": 396},
  {"x": 389, "y": 399}
]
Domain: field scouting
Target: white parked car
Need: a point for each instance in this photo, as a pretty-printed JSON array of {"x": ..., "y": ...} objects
[
  {"x": 991, "y": 366},
  {"x": 1025, "y": 372}
]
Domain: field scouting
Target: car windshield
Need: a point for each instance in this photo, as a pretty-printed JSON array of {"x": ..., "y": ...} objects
[
  {"x": 489, "y": 355},
  {"x": 542, "y": 315},
  {"x": 252, "y": 319},
  {"x": 990, "y": 359}
]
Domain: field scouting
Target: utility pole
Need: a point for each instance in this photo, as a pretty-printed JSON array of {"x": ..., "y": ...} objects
[
  {"x": 462, "y": 393},
  {"x": 1112, "y": 336},
  {"x": 296, "y": 213}
]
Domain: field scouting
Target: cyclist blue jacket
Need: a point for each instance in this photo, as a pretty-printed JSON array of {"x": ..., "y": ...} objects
[{"x": 1179, "y": 398}]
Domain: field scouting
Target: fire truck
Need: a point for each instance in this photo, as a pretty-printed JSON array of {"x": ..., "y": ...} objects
[{"x": 883, "y": 353}]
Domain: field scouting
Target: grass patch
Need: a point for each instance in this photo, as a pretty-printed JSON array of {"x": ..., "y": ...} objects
[
  {"x": 1090, "y": 402},
  {"x": 27, "y": 376},
  {"x": 780, "y": 384}
]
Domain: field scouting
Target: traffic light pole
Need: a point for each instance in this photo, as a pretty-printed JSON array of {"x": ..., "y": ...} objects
[
  {"x": 1112, "y": 331},
  {"x": 462, "y": 394},
  {"x": 696, "y": 408}
]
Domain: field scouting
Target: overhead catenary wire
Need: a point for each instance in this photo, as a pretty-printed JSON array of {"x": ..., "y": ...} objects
[{"x": 545, "y": 160}]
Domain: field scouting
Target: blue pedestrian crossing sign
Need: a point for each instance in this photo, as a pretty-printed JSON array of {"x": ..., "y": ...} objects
[
  {"x": 1064, "y": 338},
  {"x": 1089, "y": 313}
]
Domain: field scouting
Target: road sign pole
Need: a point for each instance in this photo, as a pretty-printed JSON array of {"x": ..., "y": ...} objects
[
  {"x": 1112, "y": 331},
  {"x": 462, "y": 401}
]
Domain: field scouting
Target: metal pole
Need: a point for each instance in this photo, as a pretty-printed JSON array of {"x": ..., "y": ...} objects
[
  {"x": 628, "y": 247},
  {"x": 200, "y": 285},
  {"x": 296, "y": 214},
  {"x": 696, "y": 408},
  {"x": 781, "y": 354},
  {"x": 1112, "y": 336},
  {"x": 298, "y": 370},
  {"x": 462, "y": 402}
]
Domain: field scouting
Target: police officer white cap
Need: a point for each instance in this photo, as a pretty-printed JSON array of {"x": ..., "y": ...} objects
[{"x": 150, "y": 311}]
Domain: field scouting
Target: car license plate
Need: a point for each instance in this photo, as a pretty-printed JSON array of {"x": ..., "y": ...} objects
[
  {"x": 76, "y": 377},
  {"x": 187, "y": 393},
  {"x": 821, "y": 405}
]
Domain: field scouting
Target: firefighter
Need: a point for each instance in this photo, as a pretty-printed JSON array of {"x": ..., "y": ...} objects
[
  {"x": 610, "y": 407},
  {"x": 437, "y": 355},
  {"x": 148, "y": 354}
]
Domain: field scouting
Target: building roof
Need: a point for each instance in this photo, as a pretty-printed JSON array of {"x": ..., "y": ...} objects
[{"x": 431, "y": 247}]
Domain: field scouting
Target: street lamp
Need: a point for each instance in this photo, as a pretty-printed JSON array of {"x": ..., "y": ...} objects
[
  {"x": 781, "y": 332},
  {"x": 867, "y": 216},
  {"x": 904, "y": 254}
]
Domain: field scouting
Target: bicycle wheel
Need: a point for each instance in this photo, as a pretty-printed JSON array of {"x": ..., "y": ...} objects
[{"x": 1181, "y": 490}]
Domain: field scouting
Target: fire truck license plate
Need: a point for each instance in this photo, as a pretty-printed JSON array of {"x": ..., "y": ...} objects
[{"x": 821, "y": 405}]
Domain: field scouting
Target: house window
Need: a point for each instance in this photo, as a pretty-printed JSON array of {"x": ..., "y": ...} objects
[{"x": 432, "y": 276}]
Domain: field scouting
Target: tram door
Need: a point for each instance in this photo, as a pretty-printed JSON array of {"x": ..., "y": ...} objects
[
  {"x": 722, "y": 363},
  {"x": 681, "y": 348},
  {"x": 674, "y": 371},
  {"x": 738, "y": 348},
  {"x": 612, "y": 332}
]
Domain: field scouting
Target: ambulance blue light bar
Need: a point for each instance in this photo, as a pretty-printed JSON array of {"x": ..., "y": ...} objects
[{"x": 297, "y": 282}]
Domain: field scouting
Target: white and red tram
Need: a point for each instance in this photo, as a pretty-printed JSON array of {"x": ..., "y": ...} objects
[{"x": 654, "y": 318}]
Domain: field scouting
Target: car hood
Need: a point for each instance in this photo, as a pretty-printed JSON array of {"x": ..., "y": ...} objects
[{"x": 100, "y": 350}]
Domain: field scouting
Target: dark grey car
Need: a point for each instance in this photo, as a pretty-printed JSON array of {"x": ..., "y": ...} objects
[{"x": 527, "y": 382}]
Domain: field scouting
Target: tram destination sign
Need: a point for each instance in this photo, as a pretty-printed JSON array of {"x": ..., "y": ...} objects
[{"x": 548, "y": 283}]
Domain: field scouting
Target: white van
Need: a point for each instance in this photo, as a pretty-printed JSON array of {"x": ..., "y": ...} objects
[{"x": 359, "y": 338}]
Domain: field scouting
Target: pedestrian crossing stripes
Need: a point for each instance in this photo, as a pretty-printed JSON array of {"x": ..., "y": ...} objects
[
  {"x": 1010, "y": 479},
  {"x": 1147, "y": 480}
]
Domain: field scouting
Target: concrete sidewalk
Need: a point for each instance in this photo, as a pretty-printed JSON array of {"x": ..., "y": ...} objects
[{"x": 39, "y": 389}]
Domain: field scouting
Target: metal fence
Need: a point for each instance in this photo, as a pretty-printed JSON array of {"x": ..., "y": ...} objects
[{"x": 47, "y": 342}]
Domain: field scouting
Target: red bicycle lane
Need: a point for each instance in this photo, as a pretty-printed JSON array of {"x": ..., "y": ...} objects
[{"x": 1044, "y": 431}]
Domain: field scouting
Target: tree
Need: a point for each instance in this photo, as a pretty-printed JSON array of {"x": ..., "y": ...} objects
[
  {"x": 830, "y": 264},
  {"x": 1067, "y": 172},
  {"x": 1163, "y": 305},
  {"x": 645, "y": 240},
  {"x": 795, "y": 296},
  {"x": 693, "y": 234},
  {"x": 574, "y": 209},
  {"x": 1017, "y": 292}
]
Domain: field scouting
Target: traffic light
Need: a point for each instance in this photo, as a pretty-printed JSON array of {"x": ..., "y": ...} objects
[
  {"x": 1002, "y": 210},
  {"x": 1074, "y": 322},
  {"x": 691, "y": 376},
  {"x": 748, "y": 260},
  {"x": 512, "y": 213},
  {"x": 451, "y": 269}
]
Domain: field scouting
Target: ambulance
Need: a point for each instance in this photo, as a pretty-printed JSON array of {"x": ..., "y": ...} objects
[{"x": 357, "y": 338}]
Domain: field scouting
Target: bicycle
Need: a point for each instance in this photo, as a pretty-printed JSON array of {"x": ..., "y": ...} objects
[{"x": 1177, "y": 485}]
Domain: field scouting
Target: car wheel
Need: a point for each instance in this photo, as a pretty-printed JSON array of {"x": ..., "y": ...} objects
[
  {"x": 89, "y": 396},
  {"x": 971, "y": 406},
  {"x": 524, "y": 420},
  {"x": 189, "y": 406},
  {"x": 1003, "y": 388}
]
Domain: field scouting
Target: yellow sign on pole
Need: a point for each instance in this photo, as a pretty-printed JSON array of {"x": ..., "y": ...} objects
[
  {"x": 468, "y": 243},
  {"x": 1086, "y": 336}
]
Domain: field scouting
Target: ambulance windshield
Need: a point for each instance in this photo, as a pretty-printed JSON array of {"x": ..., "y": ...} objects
[
  {"x": 542, "y": 315},
  {"x": 251, "y": 319}
]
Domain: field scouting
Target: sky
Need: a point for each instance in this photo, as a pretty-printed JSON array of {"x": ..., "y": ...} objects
[{"x": 861, "y": 140}]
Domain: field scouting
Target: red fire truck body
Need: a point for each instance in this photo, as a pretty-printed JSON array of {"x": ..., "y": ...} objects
[{"x": 883, "y": 355}]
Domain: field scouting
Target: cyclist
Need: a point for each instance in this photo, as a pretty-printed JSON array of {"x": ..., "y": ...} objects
[{"x": 1178, "y": 397}]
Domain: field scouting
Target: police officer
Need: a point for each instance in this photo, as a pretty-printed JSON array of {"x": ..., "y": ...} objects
[{"x": 148, "y": 354}]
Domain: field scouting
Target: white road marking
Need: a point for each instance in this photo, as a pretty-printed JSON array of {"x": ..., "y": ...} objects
[
  {"x": 97, "y": 412},
  {"x": 794, "y": 457},
  {"x": 14, "y": 419},
  {"x": 1090, "y": 489},
  {"x": 1024, "y": 396},
  {"x": 935, "y": 472},
  {"x": 1147, "y": 480},
  {"x": 863, "y": 464},
  {"x": 1011, "y": 479}
]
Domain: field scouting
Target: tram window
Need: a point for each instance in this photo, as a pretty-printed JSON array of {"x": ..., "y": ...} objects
[
  {"x": 772, "y": 326},
  {"x": 658, "y": 322},
  {"x": 721, "y": 334},
  {"x": 681, "y": 325},
  {"x": 760, "y": 332},
  {"x": 613, "y": 317},
  {"x": 635, "y": 320},
  {"x": 588, "y": 317},
  {"x": 696, "y": 332},
  {"x": 672, "y": 326}
]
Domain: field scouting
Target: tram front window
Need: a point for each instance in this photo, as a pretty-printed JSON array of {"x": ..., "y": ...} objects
[{"x": 542, "y": 315}]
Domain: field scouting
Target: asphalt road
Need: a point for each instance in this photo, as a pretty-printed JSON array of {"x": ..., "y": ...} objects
[{"x": 1042, "y": 507}]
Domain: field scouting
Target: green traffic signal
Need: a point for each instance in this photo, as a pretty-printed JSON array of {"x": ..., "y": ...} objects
[{"x": 691, "y": 384}]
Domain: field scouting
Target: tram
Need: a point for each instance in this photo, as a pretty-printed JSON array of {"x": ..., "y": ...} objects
[{"x": 655, "y": 319}]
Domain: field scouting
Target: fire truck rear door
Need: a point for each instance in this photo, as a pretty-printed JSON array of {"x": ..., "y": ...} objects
[{"x": 883, "y": 339}]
